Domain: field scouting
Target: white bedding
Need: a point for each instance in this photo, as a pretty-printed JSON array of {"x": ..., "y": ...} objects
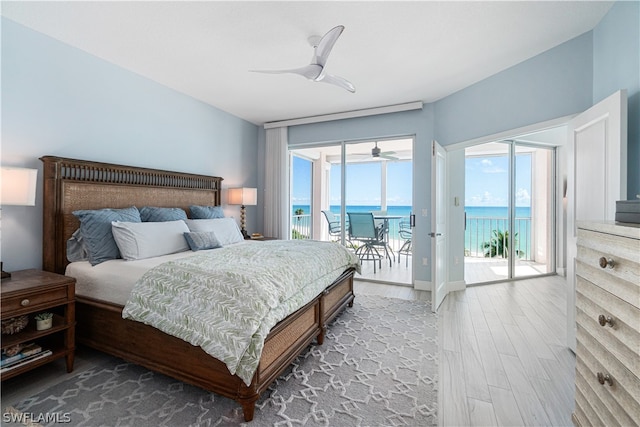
[{"x": 113, "y": 280}]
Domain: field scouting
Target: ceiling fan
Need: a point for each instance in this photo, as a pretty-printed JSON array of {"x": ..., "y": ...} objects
[
  {"x": 376, "y": 152},
  {"x": 315, "y": 71}
]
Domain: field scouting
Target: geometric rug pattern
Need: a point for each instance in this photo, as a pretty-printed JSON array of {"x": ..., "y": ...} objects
[{"x": 377, "y": 367}]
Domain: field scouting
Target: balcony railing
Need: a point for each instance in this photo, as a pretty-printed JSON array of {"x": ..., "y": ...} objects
[
  {"x": 301, "y": 227},
  {"x": 480, "y": 231}
]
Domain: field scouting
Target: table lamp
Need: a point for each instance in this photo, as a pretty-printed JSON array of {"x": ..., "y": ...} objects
[
  {"x": 18, "y": 189},
  {"x": 244, "y": 197}
]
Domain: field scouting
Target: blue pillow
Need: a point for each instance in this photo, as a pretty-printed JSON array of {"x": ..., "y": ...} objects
[
  {"x": 75, "y": 248},
  {"x": 206, "y": 212},
  {"x": 153, "y": 214},
  {"x": 95, "y": 229},
  {"x": 199, "y": 240}
]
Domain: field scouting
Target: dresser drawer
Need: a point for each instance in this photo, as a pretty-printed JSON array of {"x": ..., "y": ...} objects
[
  {"x": 622, "y": 277},
  {"x": 620, "y": 334},
  {"x": 615, "y": 404},
  {"x": 51, "y": 297}
]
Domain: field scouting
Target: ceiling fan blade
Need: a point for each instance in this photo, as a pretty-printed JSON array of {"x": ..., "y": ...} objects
[
  {"x": 322, "y": 51},
  {"x": 311, "y": 71},
  {"x": 387, "y": 156},
  {"x": 338, "y": 81}
]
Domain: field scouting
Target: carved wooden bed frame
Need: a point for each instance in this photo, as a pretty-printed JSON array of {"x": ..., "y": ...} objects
[{"x": 71, "y": 184}]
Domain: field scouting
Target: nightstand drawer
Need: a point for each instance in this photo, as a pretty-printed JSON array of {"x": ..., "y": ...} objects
[{"x": 51, "y": 297}]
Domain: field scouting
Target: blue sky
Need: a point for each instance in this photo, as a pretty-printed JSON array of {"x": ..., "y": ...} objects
[
  {"x": 487, "y": 180},
  {"x": 363, "y": 183}
]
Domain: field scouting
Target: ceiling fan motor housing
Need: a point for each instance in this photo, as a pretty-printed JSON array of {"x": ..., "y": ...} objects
[{"x": 375, "y": 151}]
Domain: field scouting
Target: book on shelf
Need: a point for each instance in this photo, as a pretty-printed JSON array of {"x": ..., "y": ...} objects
[
  {"x": 25, "y": 360},
  {"x": 27, "y": 350}
]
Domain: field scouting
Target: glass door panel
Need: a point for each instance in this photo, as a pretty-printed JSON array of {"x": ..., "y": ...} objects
[
  {"x": 534, "y": 220},
  {"x": 487, "y": 212},
  {"x": 509, "y": 188},
  {"x": 301, "y": 200},
  {"x": 377, "y": 177}
]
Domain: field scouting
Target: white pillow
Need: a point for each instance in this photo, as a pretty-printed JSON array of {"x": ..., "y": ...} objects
[
  {"x": 139, "y": 240},
  {"x": 225, "y": 229}
]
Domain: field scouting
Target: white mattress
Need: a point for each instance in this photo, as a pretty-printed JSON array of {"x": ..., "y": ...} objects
[{"x": 113, "y": 280}]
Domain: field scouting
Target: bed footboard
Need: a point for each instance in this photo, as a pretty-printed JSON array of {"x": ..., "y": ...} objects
[{"x": 100, "y": 325}]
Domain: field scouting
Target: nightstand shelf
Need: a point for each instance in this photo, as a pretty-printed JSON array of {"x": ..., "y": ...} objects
[{"x": 29, "y": 292}]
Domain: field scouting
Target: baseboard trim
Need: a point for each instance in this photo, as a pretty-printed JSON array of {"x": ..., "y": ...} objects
[
  {"x": 460, "y": 285},
  {"x": 422, "y": 285}
]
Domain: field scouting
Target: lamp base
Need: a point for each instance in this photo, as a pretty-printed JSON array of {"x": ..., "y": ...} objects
[
  {"x": 245, "y": 234},
  {"x": 5, "y": 275}
]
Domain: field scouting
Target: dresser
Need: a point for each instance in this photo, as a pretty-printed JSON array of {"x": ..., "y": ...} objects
[{"x": 608, "y": 325}]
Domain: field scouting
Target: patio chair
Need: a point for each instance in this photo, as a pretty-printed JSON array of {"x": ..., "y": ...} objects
[
  {"x": 405, "y": 233},
  {"x": 335, "y": 229},
  {"x": 363, "y": 229}
]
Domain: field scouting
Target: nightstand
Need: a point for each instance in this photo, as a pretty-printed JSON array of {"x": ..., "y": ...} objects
[{"x": 29, "y": 292}]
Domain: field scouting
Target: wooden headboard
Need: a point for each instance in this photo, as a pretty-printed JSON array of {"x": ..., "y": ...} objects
[{"x": 71, "y": 185}]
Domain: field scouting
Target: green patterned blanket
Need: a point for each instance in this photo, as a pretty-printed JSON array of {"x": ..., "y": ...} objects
[{"x": 227, "y": 300}]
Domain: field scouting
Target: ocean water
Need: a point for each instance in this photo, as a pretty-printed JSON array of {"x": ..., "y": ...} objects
[{"x": 480, "y": 222}]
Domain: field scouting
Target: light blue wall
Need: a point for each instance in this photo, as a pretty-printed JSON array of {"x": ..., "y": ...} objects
[
  {"x": 616, "y": 65},
  {"x": 59, "y": 100},
  {"x": 553, "y": 84},
  {"x": 416, "y": 122}
]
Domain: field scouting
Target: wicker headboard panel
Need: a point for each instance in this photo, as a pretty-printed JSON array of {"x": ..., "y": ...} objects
[{"x": 71, "y": 184}]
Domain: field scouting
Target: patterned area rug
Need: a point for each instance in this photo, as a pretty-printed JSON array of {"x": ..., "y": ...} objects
[{"x": 377, "y": 367}]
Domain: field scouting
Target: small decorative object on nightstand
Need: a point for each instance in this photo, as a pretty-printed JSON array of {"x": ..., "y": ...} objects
[
  {"x": 37, "y": 294},
  {"x": 44, "y": 321}
]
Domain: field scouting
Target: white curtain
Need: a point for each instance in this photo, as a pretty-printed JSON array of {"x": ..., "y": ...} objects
[{"x": 276, "y": 192}]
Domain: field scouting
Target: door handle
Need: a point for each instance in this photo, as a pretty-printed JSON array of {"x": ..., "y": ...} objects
[
  {"x": 412, "y": 220},
  {"x": 435, "y": 234}
]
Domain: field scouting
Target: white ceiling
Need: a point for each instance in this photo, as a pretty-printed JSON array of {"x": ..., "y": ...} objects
[{"x": 393, "y": 52}]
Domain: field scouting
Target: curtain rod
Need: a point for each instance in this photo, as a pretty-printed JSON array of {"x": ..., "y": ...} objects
[{"x": 417, "y": 105}]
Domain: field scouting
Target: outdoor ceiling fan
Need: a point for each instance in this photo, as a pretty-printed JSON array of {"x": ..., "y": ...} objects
[
  {"x": 376, "y": 152},
  {"x": 315, "y": 71}
]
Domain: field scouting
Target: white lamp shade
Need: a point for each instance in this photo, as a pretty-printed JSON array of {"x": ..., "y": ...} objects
[
  {"x": 18, "y": 186},
  {"x": 243, "y": 196}
]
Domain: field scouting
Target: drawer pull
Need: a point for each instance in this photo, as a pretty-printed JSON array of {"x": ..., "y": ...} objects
[
  {"x": 604, "y": 378},
  {"x": 606, "y": 320},
  {"x": 606, "y": 262},
  {"x": 25, "y": 302}
]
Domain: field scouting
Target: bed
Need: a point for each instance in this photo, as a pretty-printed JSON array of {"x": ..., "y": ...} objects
[{"x": 71, "y": 185}]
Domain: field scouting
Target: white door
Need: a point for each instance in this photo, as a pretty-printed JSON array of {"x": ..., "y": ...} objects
[
  {"x": 596, "y": 178},
  {"x": 438, "y": 221}
]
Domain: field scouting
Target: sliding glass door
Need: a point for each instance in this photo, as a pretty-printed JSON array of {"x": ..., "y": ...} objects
[
  {"x": 509, "y": 187},
  {"x": 363, "y": 176}
]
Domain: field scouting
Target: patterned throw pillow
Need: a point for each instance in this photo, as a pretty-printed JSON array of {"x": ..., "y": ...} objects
[
  {"x": 199, "y": 240},
  {"x": 206, "y": 212},
  {"x": 95, "y": 228},
  {"x": 153, "y": 214}
]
